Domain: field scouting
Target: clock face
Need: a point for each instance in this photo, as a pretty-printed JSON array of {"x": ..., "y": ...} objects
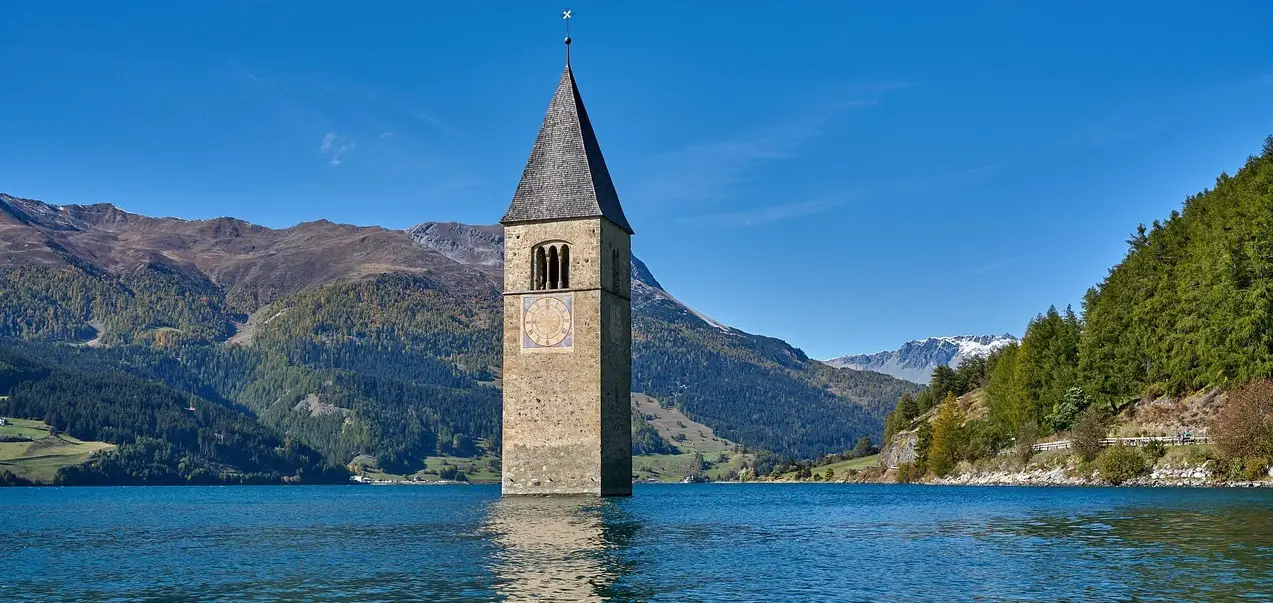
[{"x": 546, "y": 321}]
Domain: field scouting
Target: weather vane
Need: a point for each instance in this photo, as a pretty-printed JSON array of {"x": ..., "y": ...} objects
[{"x": 565, "y": 16}]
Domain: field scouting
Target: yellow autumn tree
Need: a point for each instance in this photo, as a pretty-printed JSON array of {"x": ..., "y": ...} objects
[{"x": 943, "y": 453}]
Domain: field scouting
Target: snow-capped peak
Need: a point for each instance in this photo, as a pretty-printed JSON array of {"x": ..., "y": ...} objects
[{"x": 915, "y": 360}]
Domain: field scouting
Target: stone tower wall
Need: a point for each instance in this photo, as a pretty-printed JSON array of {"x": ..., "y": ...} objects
[
  {"x": 561, "y": 415},
  {"x": 616, "y": 361}
]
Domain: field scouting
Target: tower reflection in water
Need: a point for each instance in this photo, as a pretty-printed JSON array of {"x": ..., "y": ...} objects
[{"x": 559, "y": 548}]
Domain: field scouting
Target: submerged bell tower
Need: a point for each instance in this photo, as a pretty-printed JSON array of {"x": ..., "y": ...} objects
[{"x": 567, "y": 314}]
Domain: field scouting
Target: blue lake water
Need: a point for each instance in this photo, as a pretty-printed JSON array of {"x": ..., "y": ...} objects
[{"x": 713, "y": 542}]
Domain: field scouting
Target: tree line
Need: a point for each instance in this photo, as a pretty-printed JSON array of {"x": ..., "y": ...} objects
[{"x": 1189, "y": 308}]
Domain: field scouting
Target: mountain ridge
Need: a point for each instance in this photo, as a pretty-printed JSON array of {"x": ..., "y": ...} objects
[
  {"x": 373, "y": 321},
  {"x": 915, "y": 360},
  {"x": 263, "y": 263}
]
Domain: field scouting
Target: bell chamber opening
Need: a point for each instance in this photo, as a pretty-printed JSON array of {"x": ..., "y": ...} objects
[{"x": 550, "y": 266}]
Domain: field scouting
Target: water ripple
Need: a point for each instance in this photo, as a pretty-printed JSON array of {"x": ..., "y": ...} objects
[{"x": 668, "y": 543}]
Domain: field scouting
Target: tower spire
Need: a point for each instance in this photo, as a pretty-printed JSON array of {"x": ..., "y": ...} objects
[
  {"x": 566, "y": 175},
  {"x": 565, "y": 16}
]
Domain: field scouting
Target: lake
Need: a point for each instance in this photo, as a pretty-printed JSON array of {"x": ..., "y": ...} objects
[{"x": 711, "y": 542}]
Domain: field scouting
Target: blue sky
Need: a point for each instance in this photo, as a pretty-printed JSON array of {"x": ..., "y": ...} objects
[{"x": 843, "y": 175}]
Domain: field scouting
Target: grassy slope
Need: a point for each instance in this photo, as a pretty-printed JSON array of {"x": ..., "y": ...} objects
[
  {"x": 39, "y": 459},
  {"x": 841, "y": 468},
  {"x": 476, "y": 469},
  {"x": 687, "y": 435}
]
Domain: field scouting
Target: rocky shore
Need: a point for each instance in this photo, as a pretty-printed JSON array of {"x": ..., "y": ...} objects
[{"x": 1166, "y": 477}]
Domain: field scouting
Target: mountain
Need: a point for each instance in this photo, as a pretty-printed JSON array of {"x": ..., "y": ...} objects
[
  {"x": 482, "y": 248},
  {"x": 253, "y": 265},
  {"x": 915, "y": 360},
  {"x": 364, "y": 340},
  {"x": 718, "y": 375}
]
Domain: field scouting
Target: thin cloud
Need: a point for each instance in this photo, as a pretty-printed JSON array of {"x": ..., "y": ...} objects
[
  {"x": 355, "y": 117},
  {"x": 983, "y": 170},
  {"x": 766, "y": 215},
  {"x": 714, "y": 170},
  {"x": 991, "y": 267},
  {"x": 892, "y": 190},
  {"x": 878, "y": 87},
  {"x": 927, "y": 183},
  {"x": 774, "y": 213},
  {"x": 335, "y": 147},
  {"x": 440, "y": 125}
]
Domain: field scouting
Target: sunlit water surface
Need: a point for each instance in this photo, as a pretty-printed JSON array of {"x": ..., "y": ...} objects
[{"x": 767, "y": 542}]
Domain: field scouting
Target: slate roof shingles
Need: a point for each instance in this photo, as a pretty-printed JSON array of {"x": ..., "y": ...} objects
[{"x": 566, "y": 175}]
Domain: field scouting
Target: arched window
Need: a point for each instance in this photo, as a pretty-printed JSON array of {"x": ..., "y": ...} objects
[
  {"x": 550, "y": 266},
  {"x": 554, "y": 273},
  {"x": 565, "y": 266},
  {"x": 540, "y": 270}
]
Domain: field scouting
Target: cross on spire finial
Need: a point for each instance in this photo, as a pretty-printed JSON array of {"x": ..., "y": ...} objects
[{"x": 565, "y": 16}]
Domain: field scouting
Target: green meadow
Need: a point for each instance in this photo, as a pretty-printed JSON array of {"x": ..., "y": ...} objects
[
  {"x": 38, "y": 454},
  {"x": 719, "y": 456},
  {"x": 841, "y": 468}
]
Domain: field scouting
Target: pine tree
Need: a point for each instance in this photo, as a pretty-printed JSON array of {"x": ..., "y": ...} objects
[{"x": 1005, "y": 394}]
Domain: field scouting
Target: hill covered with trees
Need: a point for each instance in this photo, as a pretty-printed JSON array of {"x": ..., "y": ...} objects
[
  {"x": 1189, "y": 309},
  {"x": 357, "y": 341},
  {"x": 163, "y": 436}
]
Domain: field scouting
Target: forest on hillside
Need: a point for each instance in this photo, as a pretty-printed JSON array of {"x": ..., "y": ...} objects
[
  {"x": 163, "y": 436},
  {"x": 1189, "y": 308},
  {"x": 765, "y": 395},
  {"x": 399, "y": 367},
  {"x": 394, "y": 368}
]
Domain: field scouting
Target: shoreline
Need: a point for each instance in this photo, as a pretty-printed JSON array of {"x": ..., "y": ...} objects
[
  {"x": 1022, "y": 480},
  {"x": 1069, "y": 475}
]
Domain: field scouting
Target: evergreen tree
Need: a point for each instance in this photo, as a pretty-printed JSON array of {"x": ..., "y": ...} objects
[
  {"x": 1009, "y": 407},
  {"x": 923, "y": 444},
  {"x": 1047, "y": 362},
  {"x": 944, "y": 381},
  {"x": 863, "y": 448},
  {"x": 1189, "y": 306}
]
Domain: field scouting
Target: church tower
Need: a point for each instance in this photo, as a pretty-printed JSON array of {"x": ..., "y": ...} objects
[{"x": 567, "y": 316}]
